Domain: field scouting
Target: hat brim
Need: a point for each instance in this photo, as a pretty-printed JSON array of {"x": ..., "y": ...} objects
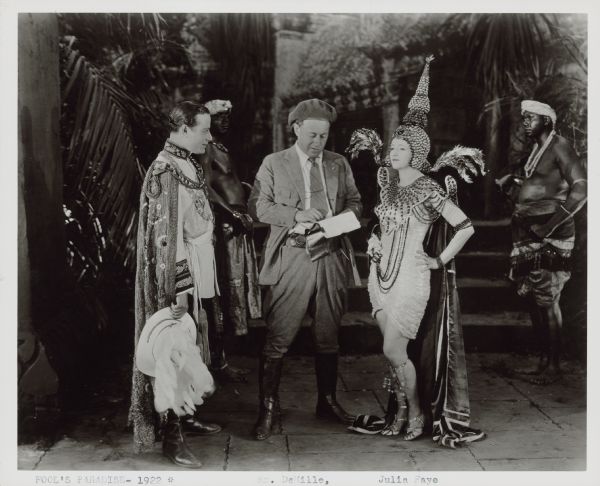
[{"x": 157, "y": 327}]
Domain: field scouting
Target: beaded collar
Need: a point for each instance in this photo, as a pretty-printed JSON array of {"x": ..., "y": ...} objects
[
  {"x": 397, "y": 202},
  {"x": 176, "y": 150}
]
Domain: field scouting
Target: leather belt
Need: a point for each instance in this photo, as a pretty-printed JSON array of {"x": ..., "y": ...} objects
[{"x": 299, "y": 241}]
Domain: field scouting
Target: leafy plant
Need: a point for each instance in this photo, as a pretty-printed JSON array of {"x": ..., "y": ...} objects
[{"x": 100, "y": 158}]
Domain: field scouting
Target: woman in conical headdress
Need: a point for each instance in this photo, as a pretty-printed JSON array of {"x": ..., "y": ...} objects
[{"x": 399, "y": 280}]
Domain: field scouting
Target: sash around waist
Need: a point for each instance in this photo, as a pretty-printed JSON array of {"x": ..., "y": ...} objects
[
  {"x": 204, "y": 239},
  {"x": 526, "y": 215},
  {"x": 536, "y": 208}
]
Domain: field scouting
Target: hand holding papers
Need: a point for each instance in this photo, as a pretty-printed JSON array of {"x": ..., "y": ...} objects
[
  {"x": 318, "y": 233},
  {"x": 340, "y": 224},
  {"x": 330, "y": 227}
]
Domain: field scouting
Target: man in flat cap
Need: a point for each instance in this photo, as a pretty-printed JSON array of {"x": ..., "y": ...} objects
[
  {"x": 294, "y": 189},
  {"x": 547, "y": 193}
]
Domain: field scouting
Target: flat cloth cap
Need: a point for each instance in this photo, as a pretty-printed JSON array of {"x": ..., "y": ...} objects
[{"x": 314, "y": 109}]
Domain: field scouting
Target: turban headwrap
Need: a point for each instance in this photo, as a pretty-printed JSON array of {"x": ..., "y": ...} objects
[
  {"x": 538, "y": 108},
  {"x": 314, "y": 109},
  {"x": 414, "y": 123},
  {"x": 218, "y": 106}
]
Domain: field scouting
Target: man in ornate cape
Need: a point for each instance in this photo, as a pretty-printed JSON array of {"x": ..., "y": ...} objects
[{"x": 175, "y": 267}]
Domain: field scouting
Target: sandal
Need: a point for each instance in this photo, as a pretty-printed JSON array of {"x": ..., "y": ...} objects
[
  {"x": 398, "y": 424},
  {"x": 415, "y": 428}
]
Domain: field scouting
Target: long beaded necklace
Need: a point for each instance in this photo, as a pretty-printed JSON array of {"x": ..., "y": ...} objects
[
  {"x": 387, "y": 280},
  {"x": 396, "y": 205},
  {"x": 536, "y": 155}
]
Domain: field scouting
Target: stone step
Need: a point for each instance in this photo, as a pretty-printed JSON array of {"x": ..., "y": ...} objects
[
  {"x": 359, "y": 334},
  {"x": 480, "y": 263},
  {"x": 476, "y": 295},
  {"x": 492, "y": 264}
]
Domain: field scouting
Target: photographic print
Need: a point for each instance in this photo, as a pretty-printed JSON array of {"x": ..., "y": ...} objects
[{"x": 189, "y": 298}]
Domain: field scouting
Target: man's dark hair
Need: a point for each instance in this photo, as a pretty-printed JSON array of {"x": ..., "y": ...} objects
[{"x": 184, "y": 113}]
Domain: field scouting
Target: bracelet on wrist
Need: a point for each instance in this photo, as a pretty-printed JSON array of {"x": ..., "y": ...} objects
[{"x": 439, "y": 262}]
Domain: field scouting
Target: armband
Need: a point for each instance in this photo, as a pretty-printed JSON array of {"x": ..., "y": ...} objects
[{"x": 466, "y": 223}]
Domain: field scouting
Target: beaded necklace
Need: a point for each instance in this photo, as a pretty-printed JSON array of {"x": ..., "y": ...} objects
[
  {"x": 397, "y": 204},
  {"x": 387, "y": 279},
  {"x": 536, "y": 155},
  {"x": 196, "y": 190},
  {"x": 173, "y": 150}
]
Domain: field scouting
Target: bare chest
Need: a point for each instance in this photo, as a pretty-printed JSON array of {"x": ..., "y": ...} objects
[{"x": 546, "y": 181}]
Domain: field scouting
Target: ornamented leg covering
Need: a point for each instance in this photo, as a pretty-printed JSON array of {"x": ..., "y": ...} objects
[
  {"x": 394, "y": 383},
  {"x": 416, "y": 424}
]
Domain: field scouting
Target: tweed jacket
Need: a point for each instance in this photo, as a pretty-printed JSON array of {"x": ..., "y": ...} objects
[{"x": 279, "y": 193}]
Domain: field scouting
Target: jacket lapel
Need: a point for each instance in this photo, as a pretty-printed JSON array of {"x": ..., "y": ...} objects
[
  {"x": 292, "y": 165},
  {"x": 330, "y": 169}
]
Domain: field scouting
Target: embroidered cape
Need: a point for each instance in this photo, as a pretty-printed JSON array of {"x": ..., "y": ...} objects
[{"x": 159, "y": 277}]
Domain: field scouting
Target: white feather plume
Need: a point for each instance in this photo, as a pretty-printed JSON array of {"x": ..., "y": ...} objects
[
  {"x": 182, "y": 379},
  {"x": 365, "y": 139},
  {"x": 467, "y": 161}
]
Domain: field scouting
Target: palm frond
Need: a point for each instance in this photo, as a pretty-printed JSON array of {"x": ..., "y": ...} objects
[
  {"x": 101, "y": 160},
  {"x": 505, "y": 43}
]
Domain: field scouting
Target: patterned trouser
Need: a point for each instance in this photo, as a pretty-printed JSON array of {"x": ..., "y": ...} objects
[{"x": 545, "y": 286}]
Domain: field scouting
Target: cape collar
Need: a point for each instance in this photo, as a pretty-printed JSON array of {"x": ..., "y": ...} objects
[{"x": 176, "y": 150}]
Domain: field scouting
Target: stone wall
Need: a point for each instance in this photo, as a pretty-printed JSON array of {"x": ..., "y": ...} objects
[{"x": 41, "y": 259}]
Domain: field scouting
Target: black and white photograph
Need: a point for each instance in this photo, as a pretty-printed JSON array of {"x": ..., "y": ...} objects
[{"x": 310, "y": 247}]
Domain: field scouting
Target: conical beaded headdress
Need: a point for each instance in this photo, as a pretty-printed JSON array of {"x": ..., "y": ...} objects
[{"x": 415, "y": 121}]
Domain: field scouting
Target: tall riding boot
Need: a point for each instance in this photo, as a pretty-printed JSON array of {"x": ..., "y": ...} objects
[
  {"x": 327, "y": 405},
  {"x": 174, "y": 445},
  {"x": 269, "y": 377}
]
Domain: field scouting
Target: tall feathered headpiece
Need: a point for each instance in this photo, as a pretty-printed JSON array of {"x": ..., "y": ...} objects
[
  {"x": 467, "y": 162},
  {"x": 414, "y": 123}
]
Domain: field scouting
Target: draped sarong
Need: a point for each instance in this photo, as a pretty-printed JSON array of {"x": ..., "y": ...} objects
[
  {"x": 540, "y": 267},
  {"x": 438, "y": 353}
]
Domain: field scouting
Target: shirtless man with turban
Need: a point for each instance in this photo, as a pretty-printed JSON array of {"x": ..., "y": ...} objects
[{"x": 548, "y": 193}]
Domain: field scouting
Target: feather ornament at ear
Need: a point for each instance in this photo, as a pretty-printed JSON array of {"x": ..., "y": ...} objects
[
  {"x": 467, "y": 161},
  {"x": 365, "y": 139}
]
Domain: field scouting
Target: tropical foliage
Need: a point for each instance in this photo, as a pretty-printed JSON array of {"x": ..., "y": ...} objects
[
  {"x": 502, "y": 57},
  {"x": 118, "y": 71},
  {"x": 235, "y": 53},
  {"x": 120, "y": 74},
  {"x": 347, "y": 51}
]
